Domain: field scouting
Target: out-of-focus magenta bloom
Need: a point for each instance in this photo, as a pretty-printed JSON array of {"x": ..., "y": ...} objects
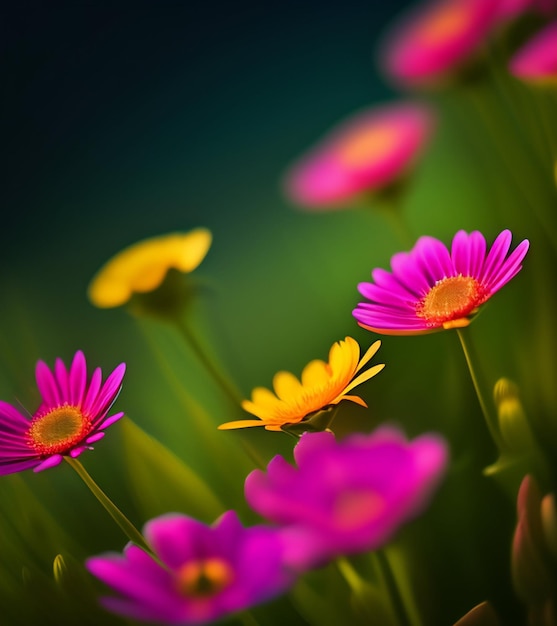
[
  {"x": 205, "y": 572},
  {"x": 365, "y": 153},
  {"x": 512, "y": 9},
  {"x": 432, "y": 289},
  {"x": 536, "y": 61},
  {"x": 436, "y": 38},
  {"x": 347, "y": 496},
  {"x": 72, "y": 416}
]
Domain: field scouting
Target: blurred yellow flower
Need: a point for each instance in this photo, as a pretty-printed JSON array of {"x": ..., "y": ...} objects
[
  {"x": 143, "y": 266},
  {"x": 322, "y": 385}
]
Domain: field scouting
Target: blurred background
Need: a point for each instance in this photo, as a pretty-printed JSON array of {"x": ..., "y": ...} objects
[{"x": 123, "y": 121}]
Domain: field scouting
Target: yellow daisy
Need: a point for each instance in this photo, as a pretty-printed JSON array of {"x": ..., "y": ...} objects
[
  {"x": 322, "y": 385},
  {"x": 142, "y": 267}
]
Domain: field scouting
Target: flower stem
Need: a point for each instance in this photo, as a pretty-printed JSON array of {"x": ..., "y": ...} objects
[
  {"x": 490, "y": 422},
  {"x": 207, "y": 363},
  {"x": 127, "y": 527},
  {"x": 389, "y": 580}
]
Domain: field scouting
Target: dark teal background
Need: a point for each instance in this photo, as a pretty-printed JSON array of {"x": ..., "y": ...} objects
[{"x": 123, "y": 121}]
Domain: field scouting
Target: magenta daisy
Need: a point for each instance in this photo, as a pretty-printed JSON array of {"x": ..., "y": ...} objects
[
  {"x": 436, "y": 39},
  {"x": 536, "y": 61},
  {"x": 203, "y": 574},
  {"x": 347, "y": 496},
  {"x": 71, "y": 417},
  {"x": 431, "y": 288},
  {"x": 364, "y": 154}
]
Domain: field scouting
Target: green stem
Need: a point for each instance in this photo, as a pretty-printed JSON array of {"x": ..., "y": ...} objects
[
  {"x": 209, "y": 365},
  {"x": 490, "y": 422},
  {"x": 389, "y": 579},
  {"x": 127, "y": 527},
  {"x": 399, "y": 225},
  {"x": 350, "y": 575}
]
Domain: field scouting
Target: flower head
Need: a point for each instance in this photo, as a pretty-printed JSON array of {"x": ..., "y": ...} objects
[
  {"x": 142, "y": 267},
  {"x": 432, "y": 289},
  {"x": 347, "y": 496},
  {"x": 366, "y": 153},
  {"x": 536, "y": 61},
  {"x": 322, "y": 385},
  {"x": 72, "y": 416},
  {"x": 436, "y": 39},
  {"x": 205, "y": 572}
]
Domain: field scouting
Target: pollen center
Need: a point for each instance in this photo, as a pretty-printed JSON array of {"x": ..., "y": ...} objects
[
  {"x": 57, "y": 431},
  {"x": 450, "y": 298},
  {"x": 444, "y": 24},
  {"x": 205, "y": 577},
  {"x": 368, "y": 145}
]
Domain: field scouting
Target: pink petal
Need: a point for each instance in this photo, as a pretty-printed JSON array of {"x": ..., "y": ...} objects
[
  {"x": 77, "y": 379},
  {"x": 47, "y": 384}
]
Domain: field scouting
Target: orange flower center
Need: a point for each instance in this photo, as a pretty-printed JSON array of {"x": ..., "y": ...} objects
[
  {"x": 368, "y": 145},
  {"x": 58, "y": 431},
  {"x": 204, "y": 578},
  {"x": 450, "y": 298},
  {"x": 444, "y": 23},
  {"x": 355, "y": 508}
]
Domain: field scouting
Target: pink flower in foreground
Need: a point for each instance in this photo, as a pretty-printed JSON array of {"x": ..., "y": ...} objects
[
  {"x": 432, "y": 289},
  {"x": 437, "y": 38},
  {"x": 205, "y": 572},
  {"x": 364, "y": 154},
  {"x": 536, "y": 61},
  {"x": 346, "y": 496},
  {"x": 71, "y": 417}
]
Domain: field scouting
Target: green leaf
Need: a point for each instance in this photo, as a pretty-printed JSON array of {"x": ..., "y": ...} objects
[{"x": 160, "y": 482}]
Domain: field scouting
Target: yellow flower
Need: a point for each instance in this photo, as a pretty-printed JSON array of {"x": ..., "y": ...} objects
[
  {"x": 142, "y": 267},
  {"x": 322, "y": 385}
]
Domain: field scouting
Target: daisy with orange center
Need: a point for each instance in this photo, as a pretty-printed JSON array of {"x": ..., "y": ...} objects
[
  {"x": 72, "y": 416},
  {"x": 367, "y": 153},
  {"x": 437, "y": 38},
  {"x": 321, "y": 386},
  {"x": 431, "y": 288}
]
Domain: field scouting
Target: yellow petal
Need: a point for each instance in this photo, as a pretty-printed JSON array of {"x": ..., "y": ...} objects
[
  {"x": 263, "y": 397},
  {"x": 286, "y": 386},
  {"x": 240, "y": 424},
  {"x": 370, "y": 373},
  {"x": 143, "y": 266},
  {"x": 372, "y": 350},
  {"x": 315, "y": 373},
  {"x": 355, "y": 399},
  {"x": 343, "y": 357}
]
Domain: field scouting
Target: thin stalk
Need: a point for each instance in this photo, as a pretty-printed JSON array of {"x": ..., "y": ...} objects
[
  {"x": 126, "y": 526},
  {"x": 207, "y": 363},
  {"x": 397, "y": 602},
  {"x": 490, "y": 422}
]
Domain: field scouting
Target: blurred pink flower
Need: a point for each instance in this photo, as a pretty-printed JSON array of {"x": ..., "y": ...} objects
[
  {"x": 436, "y": 38},
  {"x": 347, "y": 496},
  {"x": 536, "y": 60},
  {"x": 365, "y": 153},
  {"x": 204, "y": 572}
]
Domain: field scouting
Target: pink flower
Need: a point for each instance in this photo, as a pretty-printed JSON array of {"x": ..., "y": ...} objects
[
  {"x": 72, "y": 416},
  {"x": 437, "y": 38},
  {"x": 513, "y": 9},
  {"x": 346, "y": 496},
  {"x": 365, "y": 153},
  {"x": 204, "y": 573},
  {"x": 432, "y": 289},
  {"x": 536, "y": 61}
]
